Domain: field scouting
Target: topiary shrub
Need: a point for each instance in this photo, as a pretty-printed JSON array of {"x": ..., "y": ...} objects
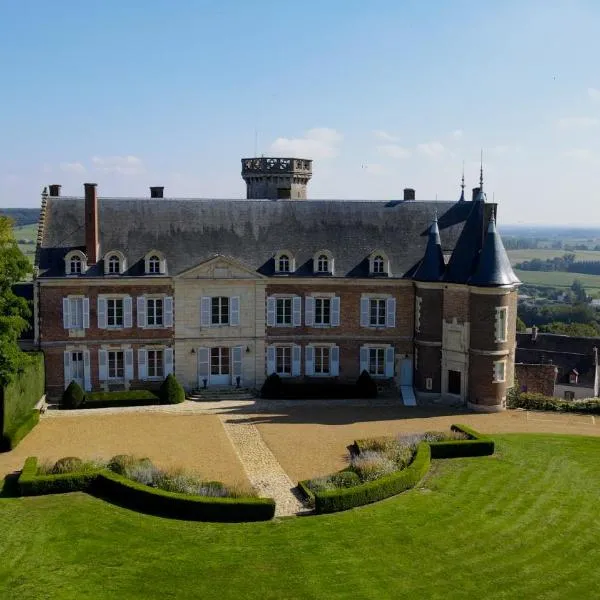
[
  {"x": 69, "y": 464},
  {"x": 73, "y": 396},
  {"x": 171, "y": 391},
  {"x": 366, "y": 385},
  {"x": 271, "y": 387}
]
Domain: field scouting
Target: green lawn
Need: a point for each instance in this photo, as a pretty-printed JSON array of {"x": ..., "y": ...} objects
[
  {"x": 558, "y": 279},
  {"x": 520, "y": 524}
]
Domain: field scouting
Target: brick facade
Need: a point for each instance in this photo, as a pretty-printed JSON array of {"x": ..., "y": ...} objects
[{"x": 539, "y": 379}]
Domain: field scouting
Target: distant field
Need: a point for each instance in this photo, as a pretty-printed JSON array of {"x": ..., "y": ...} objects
[
  {"x": 558, "y": 279},
  {"x": 27, "y": 233},
  {"x": 517, "y": 256}
]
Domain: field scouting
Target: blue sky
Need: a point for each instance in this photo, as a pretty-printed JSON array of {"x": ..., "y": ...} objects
[{"x": 382, "y": 95}]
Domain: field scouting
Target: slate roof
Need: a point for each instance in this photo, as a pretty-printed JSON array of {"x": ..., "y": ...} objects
[
  {"x": 189, "y": 232},
  {"x": 565, "y": 352},
  {"x": 431, "y": 268}
]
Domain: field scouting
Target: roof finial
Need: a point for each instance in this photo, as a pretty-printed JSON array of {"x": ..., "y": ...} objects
[
  {"x": 481, "y": 172},
  {"x": 462, "y": 180}
]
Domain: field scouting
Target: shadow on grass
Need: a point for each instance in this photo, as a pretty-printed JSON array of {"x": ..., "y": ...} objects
[{"x": 10, "y": 486}]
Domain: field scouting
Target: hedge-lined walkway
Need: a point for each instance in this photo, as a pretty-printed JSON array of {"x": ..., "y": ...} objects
[{"x": 263, "y": 470}]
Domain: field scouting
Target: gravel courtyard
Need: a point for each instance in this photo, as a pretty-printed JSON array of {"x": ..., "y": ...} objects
[{"x": 197, "y": 442}]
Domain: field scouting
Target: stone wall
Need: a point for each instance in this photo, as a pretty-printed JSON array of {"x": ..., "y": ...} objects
[{"x": 538, "y": 379}]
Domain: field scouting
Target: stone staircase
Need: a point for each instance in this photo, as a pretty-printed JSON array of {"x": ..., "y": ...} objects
[{"x": 216, "y": 393}]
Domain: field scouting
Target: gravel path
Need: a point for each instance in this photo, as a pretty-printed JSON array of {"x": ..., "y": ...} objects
[{"x": 262, "y": 468}]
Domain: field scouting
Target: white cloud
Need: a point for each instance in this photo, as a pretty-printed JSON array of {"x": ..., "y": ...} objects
[
  {"x": 457, "y": 134},
  {"x": 385, "y": 136},
  {"x": 578, "y": 122},
  {"x": 431, "y": 149},
  {"x": 125, "y": 165},
  {"x": 373, "y": 168},
  {"x": 582, "y": 154},
  {"x": 594, "y": 93},
  {"x": 72, "y": 167},
  {"x": 394, "y": 151},
  {"x": 317, "y": 143}
]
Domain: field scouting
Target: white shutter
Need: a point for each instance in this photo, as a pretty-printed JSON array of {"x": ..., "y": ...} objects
[
  {"x": 309, "y": 311},
  {"x": 128, "y": 315},
  {"x": 364, "y": 313},
  {"x": 364, "y": 359},
  {"x": 66, "y": 318},
  {"x": 168, "y": 361},
  {"x": 168, "y": 312},
  {"x": 203, "y": 363},
  {"x": 141, "y": 311},
  {"x": 102, "y": 314},
  {"x": 271, "y": 355},
  {"x": 142, "y": 364},
  {"x": 102, "y": 365},
  {"x": 335, "y": 311},
  {"x": 309, "y": 360},
  {"x": 236, "y": 363},
  {"x": 389, "y": 362},
  {"x": 87, "y": 372},
  {"x": 297, "y": 311},
  {"x": 390, "y": 312},
  {"x": 86, "y": 313},
  {"x": 271, "y": 307},
  {"x": 296, "y": 358},
  {"x": 334, "y": 361},
  {"x": 129, "y": 364},
  {"x": 205, "y": 306},
  {"x": 234, "y": 311},
  {"x": 67, "y": 365}
]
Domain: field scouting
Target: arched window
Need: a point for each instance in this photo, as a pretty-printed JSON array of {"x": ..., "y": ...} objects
[
  {"x": 323, "y": 263},
  {"x": 284, "y": 264},
  {"x": 75, "y": 265},
  {"x": 378, "y": 264},
  {"x": 154, "y": 265},
  {"x": 114, "y": 265}
]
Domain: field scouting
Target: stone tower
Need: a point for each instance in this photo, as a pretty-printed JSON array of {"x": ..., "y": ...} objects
[{"x": 276, "y": 178}]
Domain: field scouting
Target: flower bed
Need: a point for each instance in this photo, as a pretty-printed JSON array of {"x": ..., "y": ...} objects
[{"x": 138, "y": 484}]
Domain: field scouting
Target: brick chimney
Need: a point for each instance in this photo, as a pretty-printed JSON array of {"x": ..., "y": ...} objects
[
  {"x": 54, "y": 189},
  {"x": 92, "y": 237},
  {"x": 157, "y": 192},
  {"x": 409, "y": 194}
]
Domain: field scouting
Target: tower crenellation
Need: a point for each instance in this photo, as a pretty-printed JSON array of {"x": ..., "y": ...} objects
[{"x": 269, "y": 178}]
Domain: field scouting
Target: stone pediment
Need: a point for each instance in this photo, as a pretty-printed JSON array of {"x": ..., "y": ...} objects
[{"x": 220, "y": 267}]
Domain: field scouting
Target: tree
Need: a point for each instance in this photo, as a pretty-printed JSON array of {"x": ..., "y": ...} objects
[
  {"x": 14, "y": 311},
  {"x": 573, "y": 329},
  {"x": 579, "y": 291},
  {"x": 521, "y": 327}
]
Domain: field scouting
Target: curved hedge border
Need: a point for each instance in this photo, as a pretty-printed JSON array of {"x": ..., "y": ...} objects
[
  {"x": 108, "y": 485},
  {"x": 390, "y": 485},
  {"x": 11, "y": 438}
]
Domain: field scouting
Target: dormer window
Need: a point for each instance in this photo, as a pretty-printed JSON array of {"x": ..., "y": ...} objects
[
  {"x": 155, "y": 263},
  {"x": 114, "y": 263},
  {"x": 379, "y": 263},
  {"x": 323, "y": 262},
  {"x": 284, "y": 262},
  {"x": 574, "y": 377},
  {"x": 75, "y": 263}
]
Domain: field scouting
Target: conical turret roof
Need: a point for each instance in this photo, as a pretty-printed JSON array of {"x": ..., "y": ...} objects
[
  {"x": 493, "y": 267},
  {"x": 431, "y": 268}
]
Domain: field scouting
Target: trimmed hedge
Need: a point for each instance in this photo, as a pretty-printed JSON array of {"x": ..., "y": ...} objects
[
  {"x": 477, "y": 445},
  {"x": 124, "y": 398},
  {"x": 373, "y": 491},
  {"x": 11, "y": 439},
  {"x": 73, "y": 396},
  {"x": 533, "y": 401},
  {"x": 131, "y": 494},
  {"x": 171, "y": 391}
]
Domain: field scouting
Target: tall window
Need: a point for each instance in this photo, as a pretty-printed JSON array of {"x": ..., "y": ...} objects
[
  {"x": 501, "y": 324},
  {"x": 376, "y": 361},
  {"x": 154, "y": 265},
  {"x": 220, "y": 310},
  {"x": 322, "y": 311},
  {"x": 75, "y": 265},
  {"x": 284, "y": 264},
  {"x": 283, "y": 314},
  {"x": 75, "y": 313},
  {"x": 499, "y": 371},
  {"x": 77, "y": 367},
  {"x": 116, "y": 364},
  {"x": 114, "y": 265},
  {"x": 378, "y": 265},
  {"x": 154, "y": 312},
  {"x": 114, "y": 312},
  {"x": 155, "y": 363},
  {"x": 322, "y": 356},
  {"x": 377, "y": 312},
  {"x": 283, "y": 363},
  {"x": 323, "y": 263}
]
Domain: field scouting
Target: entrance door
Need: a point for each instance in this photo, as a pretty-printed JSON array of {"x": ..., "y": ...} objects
[
  {"x": 78, "y": 369},
  {"x": 454, "y": 383},
  {"x": 406, "y": 371},
  {"x": 219, "y": 366}
]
